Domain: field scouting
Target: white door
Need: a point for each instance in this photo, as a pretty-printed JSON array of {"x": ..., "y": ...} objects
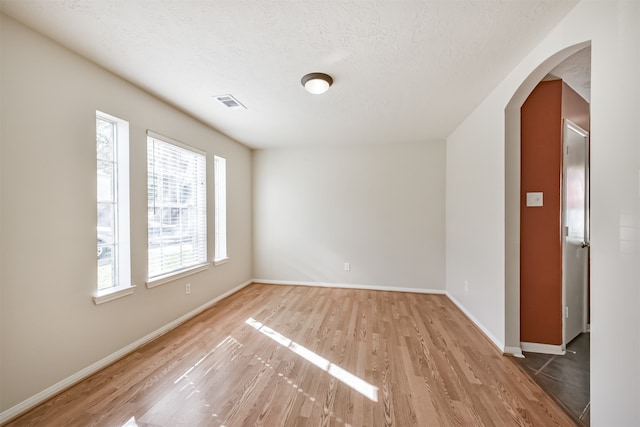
[{"x": 575, "y": 221}]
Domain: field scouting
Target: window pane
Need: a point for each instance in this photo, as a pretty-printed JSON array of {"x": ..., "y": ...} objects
[
  {"x": 107, "y": 203},
  {"x": 106, "y": 268},
  {"x": 106, "y": 222},
  {"x": 106, "y": 175},
  {"x": 112, "y": 212},
  {"x": 176, "y": 193},
  {"x": 105, "y": 135}
]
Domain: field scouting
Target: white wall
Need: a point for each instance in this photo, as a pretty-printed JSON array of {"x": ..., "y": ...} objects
[
  {"x": 476, "y": 235},
  {"x": 378, "y": 207},
  {"x": 615, "y": 218},
  {"x": 51, "y": 328}
]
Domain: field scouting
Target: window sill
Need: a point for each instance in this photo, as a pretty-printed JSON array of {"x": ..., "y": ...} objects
[
  {"x": 220, "y": 261},
  {"x": 107, "y": 295},
  {"x": 161, "y": 280}
]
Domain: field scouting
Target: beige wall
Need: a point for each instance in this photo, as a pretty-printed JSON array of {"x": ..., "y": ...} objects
[
  {"x": 50, "y": 326},
  {"x": 378, "y": 207}
]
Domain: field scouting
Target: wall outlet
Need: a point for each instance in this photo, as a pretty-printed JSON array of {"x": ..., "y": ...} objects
[
  {"x": 347, "y": 266},
  {"x": 187, "y": 288},
  {"x": 466, "y": 286}
]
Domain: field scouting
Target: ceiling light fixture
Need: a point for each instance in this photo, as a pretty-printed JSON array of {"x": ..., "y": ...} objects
[{"x": 317, "y": 83}]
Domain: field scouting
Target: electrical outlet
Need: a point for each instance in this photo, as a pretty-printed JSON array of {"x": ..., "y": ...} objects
[
  {"x": 347, "y": 266},
  {"x": 187, "y": 288},
  {"x": 466, "y": 286},
  {"x": 566, "y": 311}
]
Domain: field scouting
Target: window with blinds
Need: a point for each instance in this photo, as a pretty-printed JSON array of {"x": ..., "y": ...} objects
[
  {"x": 112, "y": 149},
  {"x": 177, "y": 212},
  {"x": 220, "y": 193}
]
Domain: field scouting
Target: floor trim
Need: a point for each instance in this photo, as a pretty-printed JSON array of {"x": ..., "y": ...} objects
[
  {"x": 351, "y": 286},
  {"x": 64, "y": 384},
  {"x": 514, "y": 351},
  {"x": 535, "y": 347},
  {"x": 478, "y": 324}
]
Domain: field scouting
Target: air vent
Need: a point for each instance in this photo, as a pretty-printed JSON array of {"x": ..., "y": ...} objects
[{"x": 230, "y": 102}]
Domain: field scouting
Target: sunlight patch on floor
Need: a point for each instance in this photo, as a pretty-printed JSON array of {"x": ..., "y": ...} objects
[
  {"x": 228, "y": 341},
  {"x": 131, "y": 422},
  {"x": 358, "y": 384}
]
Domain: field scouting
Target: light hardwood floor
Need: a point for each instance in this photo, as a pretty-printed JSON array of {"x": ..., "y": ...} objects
[{"x": 302, "y": 356}]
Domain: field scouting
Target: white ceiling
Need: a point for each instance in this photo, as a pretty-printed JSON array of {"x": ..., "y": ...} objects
[
  {"x": 576, "y": 72},
  {"x": 404, "y": 71}
]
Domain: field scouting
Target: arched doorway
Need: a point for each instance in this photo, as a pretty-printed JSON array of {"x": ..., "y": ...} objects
[
  {"x": 512, "y": 193},
  {"x": 513, "y": 227}
]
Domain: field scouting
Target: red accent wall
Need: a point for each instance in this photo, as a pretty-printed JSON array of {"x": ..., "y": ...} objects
[
  {"x": 540, "y": 239},
  {"x": 575, "y": 108},
  {"x": 540, "y": 227}
]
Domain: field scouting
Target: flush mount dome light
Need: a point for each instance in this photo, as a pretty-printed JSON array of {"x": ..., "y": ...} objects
[{"x": 317, "y": 83}]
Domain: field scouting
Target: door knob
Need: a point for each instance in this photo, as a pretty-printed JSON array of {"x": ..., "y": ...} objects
[{"x": 585, "y": 245}]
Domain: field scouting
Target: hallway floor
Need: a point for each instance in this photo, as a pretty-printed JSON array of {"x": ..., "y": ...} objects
[{"x": 564, "y": 378}]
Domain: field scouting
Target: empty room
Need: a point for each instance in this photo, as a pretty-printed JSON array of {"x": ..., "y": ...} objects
[{"x": 345, "y": 213}]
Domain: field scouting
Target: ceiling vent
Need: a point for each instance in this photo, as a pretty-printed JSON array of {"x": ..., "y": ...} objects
[{"x": 230, "y": 102}]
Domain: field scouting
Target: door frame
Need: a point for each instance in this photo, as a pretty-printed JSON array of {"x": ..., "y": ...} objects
[{"x": 568, "y": 124}]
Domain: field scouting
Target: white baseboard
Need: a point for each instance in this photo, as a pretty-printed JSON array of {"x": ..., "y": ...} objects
[
  {"x": 535, "y": 347},
  {"x": 350, "y": 286},
  {"x": 91, "y": 369},
  {"x": 484, "y": 330},
  {"x": 514, "y": 351}
]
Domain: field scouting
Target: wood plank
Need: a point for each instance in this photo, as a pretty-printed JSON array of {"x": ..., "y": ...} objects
[{"x": 311, "y": 364}]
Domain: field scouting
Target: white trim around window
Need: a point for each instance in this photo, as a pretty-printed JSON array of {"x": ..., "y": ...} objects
[
  {"x": 221, "y": 261},
  {"x": 175, "y": 275},
  {"x": 113, "y": 230},
  {"x": 112, "y": 294},
  {"x": 220, "y": 210}
]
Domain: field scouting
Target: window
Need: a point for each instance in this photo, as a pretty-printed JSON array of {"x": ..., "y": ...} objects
[
  {"x": 177, "y": 213},
  {"x": 112, "y": 155},
  {"x": 220, "y": 188}
]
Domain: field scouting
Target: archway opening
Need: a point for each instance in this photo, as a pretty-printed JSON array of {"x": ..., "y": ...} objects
[
  {"x": 512, "y": 193},
  {"x": 565, "y": 65}
]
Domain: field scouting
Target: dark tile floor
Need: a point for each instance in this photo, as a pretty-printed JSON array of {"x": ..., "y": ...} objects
[{"x": 565, "y": 378}]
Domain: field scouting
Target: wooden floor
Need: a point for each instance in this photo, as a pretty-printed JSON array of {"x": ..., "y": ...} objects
[{"x": 296, "y": 356}]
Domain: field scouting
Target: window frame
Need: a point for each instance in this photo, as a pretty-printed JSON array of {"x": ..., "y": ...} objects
[
  {"x": 221, "y": 249},
  {"x": 201, "y": 264},
  {"x": 122, "y": 284}
]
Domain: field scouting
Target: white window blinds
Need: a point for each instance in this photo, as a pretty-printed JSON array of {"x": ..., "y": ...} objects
[{"x": 177, "y": 215}]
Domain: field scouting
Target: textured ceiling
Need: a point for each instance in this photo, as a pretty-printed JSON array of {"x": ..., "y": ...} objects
[
  {"x": 404, "y": 71},
  {"x": 576, "y": 72}
]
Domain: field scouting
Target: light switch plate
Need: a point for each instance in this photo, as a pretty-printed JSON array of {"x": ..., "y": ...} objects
[{"x": 534, "y": 199}]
